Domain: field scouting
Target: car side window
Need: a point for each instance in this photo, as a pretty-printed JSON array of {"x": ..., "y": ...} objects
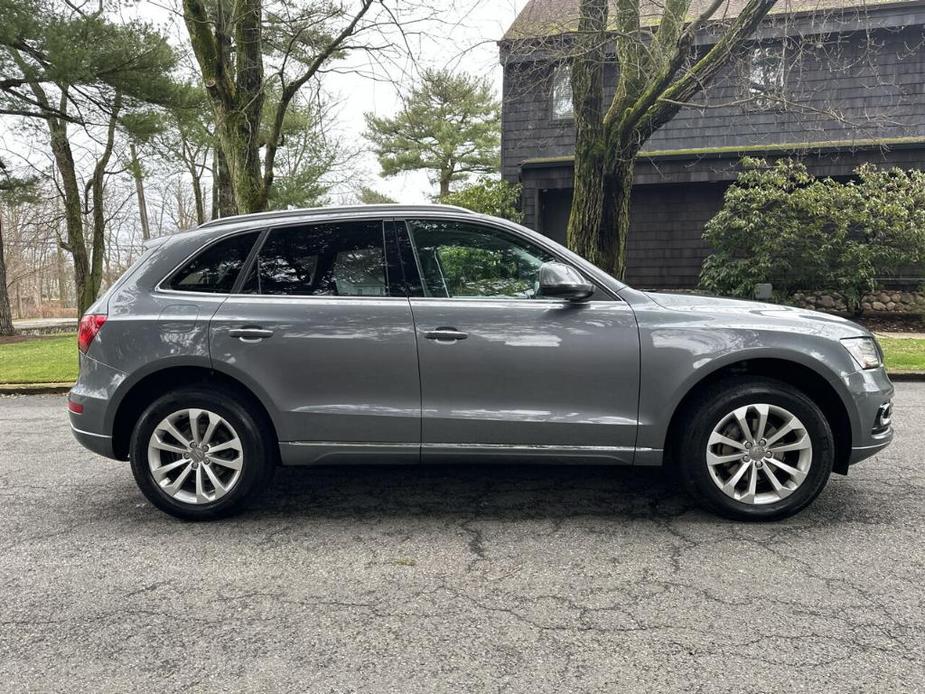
[
  {"x": 460, "y": 259},
  {"x": 328, "y": 259},
  {"x": 215, "y": 269}
]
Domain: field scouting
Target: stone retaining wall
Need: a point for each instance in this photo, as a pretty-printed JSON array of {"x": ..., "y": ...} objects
[{"x": 880, "y": 301}]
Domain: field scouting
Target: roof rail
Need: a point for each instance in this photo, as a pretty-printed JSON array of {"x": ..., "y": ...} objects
[{"x": 310, "y": 211}]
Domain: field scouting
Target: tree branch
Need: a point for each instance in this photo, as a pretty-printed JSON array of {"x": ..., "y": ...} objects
[
  {"x": 290, "y": 90},
  {"x": 722, "y": 52}
]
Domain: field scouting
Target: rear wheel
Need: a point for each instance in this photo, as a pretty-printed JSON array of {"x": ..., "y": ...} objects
[
  {"x": 755, "y": 449},
  {"x": 198, "y": 454}
]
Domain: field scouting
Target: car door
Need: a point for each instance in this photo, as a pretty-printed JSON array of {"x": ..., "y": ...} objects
[
  {"x": 317, "y": 328},
  {"x": 504, "y": 371}
]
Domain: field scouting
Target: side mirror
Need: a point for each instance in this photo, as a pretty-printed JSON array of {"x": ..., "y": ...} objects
[{"x": 560, "y": 281}]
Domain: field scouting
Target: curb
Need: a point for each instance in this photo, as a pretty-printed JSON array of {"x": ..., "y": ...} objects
[
  {"x": 907, "y": 376},
  {"x": 35, "y": 388},
  {"x": 61, "y": 388}
]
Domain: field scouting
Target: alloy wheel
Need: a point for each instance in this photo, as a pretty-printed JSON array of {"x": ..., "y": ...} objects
[
  {"x": 195, "y": 456},
  {"x": 759, "y": 454}
]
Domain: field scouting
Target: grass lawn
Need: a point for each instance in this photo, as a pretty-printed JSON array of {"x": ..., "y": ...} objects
[
  {"x": 903, "y": 353},
  {"x": 54, "y": 359},
  {"x": 50, "y": 359}
]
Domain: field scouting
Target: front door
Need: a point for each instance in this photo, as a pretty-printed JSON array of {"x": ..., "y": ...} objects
[
  {"x": 317, "y": 329},
  {"x": 504, "y": 371}
]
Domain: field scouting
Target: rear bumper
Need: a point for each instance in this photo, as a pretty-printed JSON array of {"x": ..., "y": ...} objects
[
  {"x": 101, "y": 444},
  {"x": 93, "y": 392}
]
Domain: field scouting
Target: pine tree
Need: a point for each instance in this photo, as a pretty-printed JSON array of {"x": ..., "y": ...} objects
[{"x": 450, "y": 125}]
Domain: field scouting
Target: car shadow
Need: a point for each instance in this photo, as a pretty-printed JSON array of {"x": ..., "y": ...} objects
[{"x": 489, "y": 490}]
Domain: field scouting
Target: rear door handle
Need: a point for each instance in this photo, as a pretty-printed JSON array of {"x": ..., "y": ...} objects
[
  {"x": 445, "y": 335},
  {"x": 250, "y": 334}
]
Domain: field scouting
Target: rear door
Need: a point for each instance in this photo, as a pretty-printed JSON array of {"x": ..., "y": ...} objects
[
  {"x": 504, "y": 371},
  {"x": 317, "y": 327}
]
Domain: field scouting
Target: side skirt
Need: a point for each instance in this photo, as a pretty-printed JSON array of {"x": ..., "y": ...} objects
[{"x": 336, "y": 453}]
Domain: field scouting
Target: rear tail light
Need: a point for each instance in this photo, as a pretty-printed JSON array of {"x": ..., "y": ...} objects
[
  {"x": 89, "y": 326},
  {"x": 75, "y": 407}
]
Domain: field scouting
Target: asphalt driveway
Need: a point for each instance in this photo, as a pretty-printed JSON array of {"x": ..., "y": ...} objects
[{"x": 454, "y": 579}]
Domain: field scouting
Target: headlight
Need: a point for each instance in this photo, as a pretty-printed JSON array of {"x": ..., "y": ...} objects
[{"x": 864, "y": 350}]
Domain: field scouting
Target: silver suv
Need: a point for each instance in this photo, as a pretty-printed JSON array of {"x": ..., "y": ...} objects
[{"x": 395, "y": 334}]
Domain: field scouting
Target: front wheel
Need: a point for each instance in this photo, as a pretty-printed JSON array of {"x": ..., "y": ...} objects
[
  {"x": 198, "y": 454},
  {"x": 755, "y": 449}
]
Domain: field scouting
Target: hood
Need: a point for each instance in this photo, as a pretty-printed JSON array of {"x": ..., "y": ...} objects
[{"x": 759, "y": 313}]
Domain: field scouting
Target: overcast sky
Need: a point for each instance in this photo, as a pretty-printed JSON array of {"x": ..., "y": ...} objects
[{"x": 464, "y": 40}]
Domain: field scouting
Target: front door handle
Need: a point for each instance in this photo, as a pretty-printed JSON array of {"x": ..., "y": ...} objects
[
  {"x": 250, "y": 334},
  {"x": 445, "y": 335}
]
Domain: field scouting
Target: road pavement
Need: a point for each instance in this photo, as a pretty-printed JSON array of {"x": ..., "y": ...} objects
[{"x": 454, "y": 579}]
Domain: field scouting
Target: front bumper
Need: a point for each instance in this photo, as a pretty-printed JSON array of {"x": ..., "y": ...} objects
[{"x": 872, "y": 428}]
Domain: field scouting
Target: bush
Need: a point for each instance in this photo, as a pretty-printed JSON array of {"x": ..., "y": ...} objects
[
  {"x": 779, "y": 224},
  {"x": 487, "y": 196}
]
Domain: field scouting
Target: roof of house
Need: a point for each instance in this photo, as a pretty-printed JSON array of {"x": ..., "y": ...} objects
[{"x": 542, "y": 18}]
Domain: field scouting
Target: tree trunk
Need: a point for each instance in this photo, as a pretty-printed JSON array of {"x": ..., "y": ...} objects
[
  {"x": 223, "y": 204},
  {"x": 138, "y": 175},
  {"x": 239, "y": 138},
  {"x": 6, "y": 312},
  {"x": 237, "y": 94},
  {"x": 197, "y": 196},
  {"x": 587, "y": 97},
  {"x": 585, "y": 219},
  {"x": 615, "y": 219},
  {"x": 76, "y": 246},
  {"x": 62, "y": 278},
  {"x": 98, "y": 244},
  {"x": 444, "y": 185}
]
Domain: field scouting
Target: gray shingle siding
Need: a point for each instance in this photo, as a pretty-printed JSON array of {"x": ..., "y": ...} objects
[{"x": 866, "y": 87}]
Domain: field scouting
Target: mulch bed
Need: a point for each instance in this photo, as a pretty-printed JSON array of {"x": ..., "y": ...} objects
[{"x": 893, "y": 324}]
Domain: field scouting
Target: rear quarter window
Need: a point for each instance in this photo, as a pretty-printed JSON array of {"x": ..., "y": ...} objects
[{"x": 215, "y": 269}]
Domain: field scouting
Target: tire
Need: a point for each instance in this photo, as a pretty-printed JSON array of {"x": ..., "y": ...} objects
[
  {"x": 800, "y": 472},
  {"x": 231, "y": 460}
]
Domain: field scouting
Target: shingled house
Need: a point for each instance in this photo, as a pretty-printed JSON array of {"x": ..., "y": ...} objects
[{"x": 833, "y": 82}]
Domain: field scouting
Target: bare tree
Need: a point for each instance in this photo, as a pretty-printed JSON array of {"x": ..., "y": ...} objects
[
  {"x": 659, "y": 72},
  {"x": 255, "y": 56},
  {"x": 67, "y": 89},
  {"x": 230, "y": 50}
]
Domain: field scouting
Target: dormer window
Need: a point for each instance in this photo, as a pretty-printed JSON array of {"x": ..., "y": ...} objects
[
  {"x": 765, "y": 76},
  {"x": 562, "y": 108}
]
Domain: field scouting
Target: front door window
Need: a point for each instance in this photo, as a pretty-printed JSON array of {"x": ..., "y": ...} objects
[{"x": 463, "y": 260}]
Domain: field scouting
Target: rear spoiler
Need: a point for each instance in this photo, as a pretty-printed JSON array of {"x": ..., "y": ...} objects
[{"x": 155, "y": 242}]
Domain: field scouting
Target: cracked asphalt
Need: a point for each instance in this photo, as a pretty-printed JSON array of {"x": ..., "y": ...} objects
[{"x": 454, "y": 579}]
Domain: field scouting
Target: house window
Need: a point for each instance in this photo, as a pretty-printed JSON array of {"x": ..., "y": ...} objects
[
  {"x": 766, "y": 77},
  {"x": 562, "y": 108}
]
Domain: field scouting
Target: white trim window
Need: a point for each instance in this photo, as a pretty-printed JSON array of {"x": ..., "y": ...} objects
[
  {"x": 562, "y": 108},
  {"x": 766, "y": 77}
]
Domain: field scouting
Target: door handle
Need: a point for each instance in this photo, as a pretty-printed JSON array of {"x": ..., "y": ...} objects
[
  {"x": 445, "y": 335},
  {"x": 250, "y": 334}
]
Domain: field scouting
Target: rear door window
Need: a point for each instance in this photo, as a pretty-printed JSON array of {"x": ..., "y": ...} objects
[
  {"x": 330, "y": 259},
  {"x": 215, "y": 269}
]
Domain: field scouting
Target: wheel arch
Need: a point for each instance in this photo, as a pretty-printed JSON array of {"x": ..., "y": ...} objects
[
  {"x": 798, "y": 375},
  {"x": 152, "y": 385}
]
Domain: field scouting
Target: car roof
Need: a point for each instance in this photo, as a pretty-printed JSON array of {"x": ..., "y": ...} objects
[{"x": 315, "y": 212}]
